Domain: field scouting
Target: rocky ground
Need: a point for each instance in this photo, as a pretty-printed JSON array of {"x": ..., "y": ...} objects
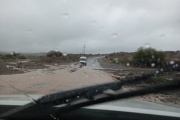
[
  {"x": 53, "y": 78},
  {"x": 23, "y": 66},
  {"x": 6, "y": 69},
  {"x": 121, "y": 72}
]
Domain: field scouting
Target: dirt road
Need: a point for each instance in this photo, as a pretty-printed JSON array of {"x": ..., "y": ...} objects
[{"x": 52, "y": 79}]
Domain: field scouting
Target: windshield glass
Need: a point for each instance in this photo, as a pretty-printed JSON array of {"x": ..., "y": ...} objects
[
  {"x": 82, "y": 59},
  {"x": 42, "y": 42}
]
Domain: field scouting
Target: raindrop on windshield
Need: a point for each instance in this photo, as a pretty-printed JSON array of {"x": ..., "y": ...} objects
[
  {"x": 162, "y": 36},
  {"x": 147, "y": 46},
  {"x": 152, "y": 64},
  {"x": 116, "y": 60},
  {"x": 128, "y": 64},
  {"x": 115, "y": 35},
  {"x": 171, "y": 62},
  {"x": 65, "y": 15},
  {"x": 161, "y": 69},
  {"x": 157, "y": 72},
  {"x": 177, "y": 65},
  {"x": 153, "y": 57}
]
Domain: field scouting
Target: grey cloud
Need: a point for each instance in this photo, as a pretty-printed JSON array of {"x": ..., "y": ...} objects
[{"x": 103, "y": 25}]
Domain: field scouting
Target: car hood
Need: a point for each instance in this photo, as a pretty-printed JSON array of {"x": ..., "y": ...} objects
[{"x": 118, "y": 107}]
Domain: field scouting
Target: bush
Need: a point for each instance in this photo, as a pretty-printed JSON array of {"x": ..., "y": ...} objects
[
  {"x": 149, "y": 57},
  {"x": 57, "y": 57},
  {"x": 21, "y": 57},
  {"x": 159, "y": 79},
  {"x": 131, "y": 73},
  {"x": 73, "y": 57},
  {"x": 124, "y": 61},
  {"x": 54, "y": 54},
  {"x": 13, "y": 56},
  {"x": 8, "y": 56}
]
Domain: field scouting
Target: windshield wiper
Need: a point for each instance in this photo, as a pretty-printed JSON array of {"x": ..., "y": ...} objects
[
  {"x": 172, "y": 85},
  {"x": 75, "y": 99}
]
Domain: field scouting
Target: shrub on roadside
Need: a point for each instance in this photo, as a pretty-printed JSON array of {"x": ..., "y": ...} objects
[
  {"x": 131, "y": 73},
  {"x": 21, "y": 57},
  {"x": 54, "y": 54},
  {"x": 159, "y": 79},
  {"x": 149, "y": 57},
  {"x": 57, "y": 57}
]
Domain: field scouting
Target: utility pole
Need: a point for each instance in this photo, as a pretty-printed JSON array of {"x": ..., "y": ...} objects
[{"x": 84, "y": 48}]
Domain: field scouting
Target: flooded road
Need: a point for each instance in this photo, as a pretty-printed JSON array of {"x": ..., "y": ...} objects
[{"x": 93, "y": 62}]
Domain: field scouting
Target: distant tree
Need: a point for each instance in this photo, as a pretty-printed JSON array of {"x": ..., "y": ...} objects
[
  {"x": 53, "y": 53},
  {"x": 15, "y": 54},
  {"x": 149, "y": 57}
]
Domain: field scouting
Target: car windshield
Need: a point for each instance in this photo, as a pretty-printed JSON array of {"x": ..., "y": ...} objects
[
  {"x": 82, "y": 59},
  {"x": 42, "y": 43}
]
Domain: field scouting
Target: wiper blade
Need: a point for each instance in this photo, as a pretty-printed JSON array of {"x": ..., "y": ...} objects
[
  {"x": 172, "y": 85},
  {"x": 88, "y": 92},
  {"x": 46, "y": 104}
]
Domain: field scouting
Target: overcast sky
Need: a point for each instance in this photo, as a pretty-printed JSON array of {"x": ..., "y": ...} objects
[{"x": 104, "y": 26}]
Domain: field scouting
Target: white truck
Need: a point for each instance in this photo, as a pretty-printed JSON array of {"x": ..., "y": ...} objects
[{"x": 83, "y": 60}]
